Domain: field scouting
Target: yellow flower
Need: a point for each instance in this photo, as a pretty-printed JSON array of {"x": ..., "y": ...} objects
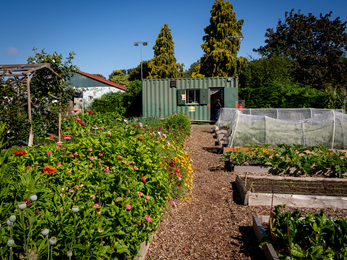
[{"x": 163, "y": 146}]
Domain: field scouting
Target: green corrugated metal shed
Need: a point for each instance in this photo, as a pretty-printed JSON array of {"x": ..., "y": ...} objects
[{"x": 161, "y": 97}]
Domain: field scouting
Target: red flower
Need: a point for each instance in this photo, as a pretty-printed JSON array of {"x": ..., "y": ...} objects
[
  {"x": 90, "y": 112},
  {"x": 28, "y": 203},
  {"x": 135, "y": 126},
  {"x": 20, "y": 153},
  {"x": 67, "y": 136},
  {"x": 140, "y": 139},
  {"x": 143, "y": 179},
  {"x": 50, "y": 137},
  {"x": 49, "y": 170}
]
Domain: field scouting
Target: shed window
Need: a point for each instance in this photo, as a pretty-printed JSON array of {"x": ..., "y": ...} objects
[{"x": 192, "y": 96}]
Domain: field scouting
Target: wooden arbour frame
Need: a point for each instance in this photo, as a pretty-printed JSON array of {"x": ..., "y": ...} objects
[{"x": 22, "y": 74}]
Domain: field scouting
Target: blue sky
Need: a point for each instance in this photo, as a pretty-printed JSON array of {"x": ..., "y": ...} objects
[{"x": 101, "y": 33}]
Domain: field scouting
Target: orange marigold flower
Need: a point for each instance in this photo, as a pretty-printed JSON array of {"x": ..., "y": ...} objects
[
  {"x": 50, "y": 137},
  {"x": 49, "y": 170},
  {"x": 67, "y": 136}
]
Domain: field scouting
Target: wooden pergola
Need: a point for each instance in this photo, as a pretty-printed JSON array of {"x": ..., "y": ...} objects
[{"x": 22, "y": 74}]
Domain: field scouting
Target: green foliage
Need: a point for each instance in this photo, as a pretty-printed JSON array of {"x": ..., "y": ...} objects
[
  {"x": 164, "y": 65},
  {"x": 135, "y": 73},
  {"x": 284, "y": 157},
  {"x": 268, "y": 82},
  {"x": 220, "y": 51},
  {"x": 122, "y": 161},
  {"x": 119, "y": 77},
  {"x": 193, "y": 68},
  {"x": 316, "y": 44},
  {"x": 312, "y": 237},
  {"x": 128, "y": 103}
]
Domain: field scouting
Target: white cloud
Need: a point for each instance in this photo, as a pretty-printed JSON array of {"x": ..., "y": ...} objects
[{"x": 11, "y": 50}]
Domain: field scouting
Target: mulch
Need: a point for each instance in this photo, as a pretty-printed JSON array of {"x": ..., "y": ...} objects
[{"x": 212, "y": 223}]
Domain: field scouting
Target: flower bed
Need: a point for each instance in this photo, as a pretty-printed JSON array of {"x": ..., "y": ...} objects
[{"x": 99, "y": 193}]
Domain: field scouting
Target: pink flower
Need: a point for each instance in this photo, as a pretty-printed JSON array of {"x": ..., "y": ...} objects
[
  {"x": 92, "y": 196},
  {"x": 169, "y": 200},
  {"x": 67, "y": 137},
  {"x": 58, "y": 163},
  {"x": 62, "y": 188},
  {"x": 145, "y": 201},
  {"x": 99, "y": 230},
  {"x": 90, "y": 149},
  {"x": 61, "y": 209},
  {"x": 147, "y": 197},
  {"x": 109, "y": 133},
  {"x": 71, "y": 155},
  {"x": 91, "y": 158},
  {"x": 76, "y": 154},
  {"x": 96, "y": 206},
  {"x": 128, "y": 207},
  {"x": 49, "y": 152},
  {"x": 131, "y": 163},
  {"x": 77, "y": 163},
  {"x": 28, "y": 167},
  {"x": 82, "y": 185},
  {"x": 76, "y": 187},
  {"x": 148, "y": 218},
  {"x": 139, "y": 223},
  {"x": 77, "y": 119},
  {"x": 106, "y": 168},
  {"x": 61, "y": 194},
  {"x": 68, "y": 171},
  {"x": 143, "y": 179},
  {"x": 124, "y": 162},
  {"x": 174, "y": 204},
  {"x": 139, "y": 193},
  {"x": 59, "y": 143},
  {"x": 101, "y": 161},
  {"x": 71, "y": 190},
  {"x": 63, "y": 148},
  {"x": 101, "y": 154},
  {"x": 135, "y": 168},
  {"x": 36, "y": 163},
  {"x": 120, "y": 157},
  {"x": 90, "y": 166}
]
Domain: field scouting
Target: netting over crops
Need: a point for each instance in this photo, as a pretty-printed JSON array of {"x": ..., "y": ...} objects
[{"x": 306, "y": 127}]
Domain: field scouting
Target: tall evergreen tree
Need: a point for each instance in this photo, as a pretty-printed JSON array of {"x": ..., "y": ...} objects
[
  {"x": 164, "y": 65},
  {"x": 219, "y": 60}
]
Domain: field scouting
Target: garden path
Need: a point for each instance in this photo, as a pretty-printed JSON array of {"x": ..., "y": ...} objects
[{"x": 212, "y": 224}]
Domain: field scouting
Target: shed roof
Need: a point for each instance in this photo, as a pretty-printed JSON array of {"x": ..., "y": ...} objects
[{"x": 108, "y": 82}]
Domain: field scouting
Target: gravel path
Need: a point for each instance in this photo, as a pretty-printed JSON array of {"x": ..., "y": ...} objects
[{"x": 212, "y": 224}]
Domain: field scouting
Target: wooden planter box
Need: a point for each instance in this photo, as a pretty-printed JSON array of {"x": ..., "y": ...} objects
[
  {"x": 311, "y": 201},
  {"x": 259, "y": 231}
]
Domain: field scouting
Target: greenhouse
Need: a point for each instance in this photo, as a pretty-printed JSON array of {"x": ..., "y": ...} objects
[{"x": 306, "y": 127}]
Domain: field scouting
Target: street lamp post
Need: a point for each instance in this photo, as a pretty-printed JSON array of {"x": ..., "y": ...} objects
[
  {"x": 144, "y": 44},
  {"x": 241, "y": 38}
]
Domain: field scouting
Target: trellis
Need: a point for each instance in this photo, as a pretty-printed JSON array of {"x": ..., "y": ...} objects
[{"x": 22, "y": 74}]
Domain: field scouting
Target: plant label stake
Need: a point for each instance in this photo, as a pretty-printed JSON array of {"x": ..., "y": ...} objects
[
  {"x": 271, "y": 214},
  {"x": 246, "y": 179},
  {"x": 251, "y": 188},
  {"x": 290, "y": 247}
]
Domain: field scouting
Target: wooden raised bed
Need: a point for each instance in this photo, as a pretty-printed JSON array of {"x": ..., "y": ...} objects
[
  {"x": 291, "y": 200},
  {"x": 143, "y": 251},
  {"x": 259, "y": 231}
]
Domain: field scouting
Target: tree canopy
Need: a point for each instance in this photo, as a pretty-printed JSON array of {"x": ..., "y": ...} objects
[
  {"x": 135, "y": 73},
  {"x": 219, "y": 60},
  {"x": 316, "y": 44},
  {"x": 164, "y": 64},
  {"x": 119, "y": 77}
]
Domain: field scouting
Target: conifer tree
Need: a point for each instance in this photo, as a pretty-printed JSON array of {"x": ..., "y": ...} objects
[
  {"x": 219, "y": 59},
  {"x": 164, "y": 65}
]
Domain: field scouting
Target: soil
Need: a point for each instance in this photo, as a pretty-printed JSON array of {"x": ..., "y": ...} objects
[
  {"x": 212, "y": 223},
  {"x": 302, "y": 187}
]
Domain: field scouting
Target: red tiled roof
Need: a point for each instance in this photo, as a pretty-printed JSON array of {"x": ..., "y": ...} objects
[{"x": 108, "y": 82}]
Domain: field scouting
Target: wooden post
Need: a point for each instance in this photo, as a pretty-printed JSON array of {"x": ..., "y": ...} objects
[
  {"x": 59, "y": 124},
  {"x": 31, "y": 136}
]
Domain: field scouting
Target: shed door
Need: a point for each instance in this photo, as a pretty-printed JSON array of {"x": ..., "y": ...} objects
[
  {"x": 181, "y": 97},
  {"x": 230, "y": 97}
]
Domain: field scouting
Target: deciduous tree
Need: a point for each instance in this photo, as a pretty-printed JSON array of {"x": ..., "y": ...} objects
[
  {"x": 164, "y": 64},
  {"x": 119, "y": 77},
  {"x": 219, "y": 59},
  {"x": 316, "y": 44}
]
